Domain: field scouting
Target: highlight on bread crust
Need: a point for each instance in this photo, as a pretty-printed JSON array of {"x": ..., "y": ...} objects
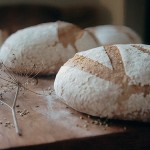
[
  {"x": 108, "y": 81},
  {"x": 46, "y": 46},
  {"x": 113, "y": 34}
]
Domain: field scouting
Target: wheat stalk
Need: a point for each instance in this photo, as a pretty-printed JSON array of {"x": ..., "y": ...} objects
[
  {"x": 18, "y": 131},
  {"x": 13, "y": 79}
]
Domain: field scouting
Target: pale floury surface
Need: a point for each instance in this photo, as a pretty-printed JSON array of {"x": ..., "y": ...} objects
[
  {"x": 46, "y": 46},
  {"x": 111, "y": 34},
  {"x": 111, "y": 81}
]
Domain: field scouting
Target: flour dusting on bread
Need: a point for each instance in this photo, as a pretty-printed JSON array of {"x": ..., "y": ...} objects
[
  {"x": 48, "y": 46},
  {"x": 93, "y": 87}
]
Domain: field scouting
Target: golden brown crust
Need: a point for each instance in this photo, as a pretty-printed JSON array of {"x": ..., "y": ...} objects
[
  {"x": 141, "y": 49},
  {"x": 91, "y": 66},
  {"x": 117, "y": 64},
  {"x": 65, "y": 38},
  {"x": 117, "y": 75}
]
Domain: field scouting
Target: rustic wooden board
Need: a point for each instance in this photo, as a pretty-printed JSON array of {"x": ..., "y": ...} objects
[{"x": 51, "y": 124}]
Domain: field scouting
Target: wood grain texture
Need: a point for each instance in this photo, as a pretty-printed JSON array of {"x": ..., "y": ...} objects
[{"x": 53, "y": 125}]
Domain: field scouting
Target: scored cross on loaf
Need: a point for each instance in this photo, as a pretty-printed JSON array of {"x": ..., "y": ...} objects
[{"x": 110, "y": 81}]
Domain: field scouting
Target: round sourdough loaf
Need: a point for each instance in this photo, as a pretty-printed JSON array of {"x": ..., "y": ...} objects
[
  {"x": 110, "y": 81},
  {"x": 43, "y": 48},
  {"x": 111, "y": 34}
]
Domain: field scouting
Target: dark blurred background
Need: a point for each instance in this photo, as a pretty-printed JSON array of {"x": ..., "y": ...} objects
[{"x": 18, "y": 14}]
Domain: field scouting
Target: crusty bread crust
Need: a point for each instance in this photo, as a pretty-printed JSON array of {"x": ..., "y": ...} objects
[
  {"x": 47, "y": 46},
  {"x": 113, "y": 34},
  {"x": 110, "y": 92}
]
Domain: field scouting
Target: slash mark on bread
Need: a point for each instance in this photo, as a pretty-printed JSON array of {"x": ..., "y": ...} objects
[{"x": 117, "y": 75}]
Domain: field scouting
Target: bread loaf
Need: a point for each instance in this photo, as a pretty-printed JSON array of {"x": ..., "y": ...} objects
[
  {"x": 111, "y": 34},
  {"x": 44, "y": 47},
  {"x": 108, "y": 81}
]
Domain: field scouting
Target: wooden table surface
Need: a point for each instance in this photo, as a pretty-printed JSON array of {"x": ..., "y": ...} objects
[{"x": 51, "y": 124}]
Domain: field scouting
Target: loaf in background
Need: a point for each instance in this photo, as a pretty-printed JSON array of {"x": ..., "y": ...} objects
[
  {"x": 113, "y": 34},
  {"x": 44, "y": 48}
]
